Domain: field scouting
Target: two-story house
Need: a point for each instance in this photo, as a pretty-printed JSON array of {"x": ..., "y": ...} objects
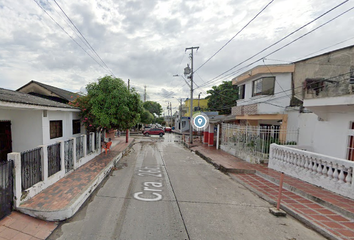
[{"x": 265, "y": 94}]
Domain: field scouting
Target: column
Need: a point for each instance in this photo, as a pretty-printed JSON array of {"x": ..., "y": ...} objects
[{"x": 211, "y": 135}]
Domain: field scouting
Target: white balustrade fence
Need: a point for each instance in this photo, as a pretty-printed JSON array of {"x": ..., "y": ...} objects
[{"x": 333, "y": 174}]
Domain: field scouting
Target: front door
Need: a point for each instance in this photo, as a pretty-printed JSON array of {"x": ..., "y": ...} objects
[{"x": 5, "y": 140}]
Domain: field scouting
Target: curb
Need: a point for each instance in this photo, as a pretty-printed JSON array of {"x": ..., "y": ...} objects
[{"x": 68, "y": 212}]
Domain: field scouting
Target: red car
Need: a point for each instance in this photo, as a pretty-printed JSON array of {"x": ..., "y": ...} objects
[
  {"x": 168, "y": 129},
  {"x": 154, "y": 131}
]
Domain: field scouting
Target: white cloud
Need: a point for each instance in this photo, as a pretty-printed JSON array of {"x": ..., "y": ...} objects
[{"x": 145, "y": 41}]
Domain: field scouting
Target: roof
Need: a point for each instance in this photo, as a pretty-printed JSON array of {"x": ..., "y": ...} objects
[
  {"x": 10, "y": 96},
  {"x": 263, "y": 69},
  {"x": 67, "y": 95},
  {"x": 336, "y": 50}
]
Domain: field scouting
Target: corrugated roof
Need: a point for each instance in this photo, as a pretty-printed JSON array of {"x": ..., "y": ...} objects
[
  {"x": 24, "y": 98},
  {"x": 70, "y": 96}
]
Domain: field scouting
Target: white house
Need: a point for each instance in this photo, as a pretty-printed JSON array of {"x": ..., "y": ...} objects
[{"x": 27, "y": 121}]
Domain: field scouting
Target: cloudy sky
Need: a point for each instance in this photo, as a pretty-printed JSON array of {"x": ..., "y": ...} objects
[{"x": 145, "y": 40}]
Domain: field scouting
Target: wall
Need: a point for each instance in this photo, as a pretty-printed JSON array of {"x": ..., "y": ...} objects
[
  {"x": 26, "y": 130},
  {"x": 281, "y": 96},
  {"x": 203, "y": 104},
  {"x": 324, "y": 66},
  {"x": 326, "y": 137},
  {"x": 67, "y": 118}
]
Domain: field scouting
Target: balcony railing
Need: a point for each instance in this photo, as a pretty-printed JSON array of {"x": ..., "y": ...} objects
[
  {"x": 331, "y": 173},
  {"x": 250, "y": 109},
  {"x": 328, "y": 87}
]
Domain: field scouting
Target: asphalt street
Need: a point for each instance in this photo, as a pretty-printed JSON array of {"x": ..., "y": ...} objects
[{"x": 162, "y": 190}]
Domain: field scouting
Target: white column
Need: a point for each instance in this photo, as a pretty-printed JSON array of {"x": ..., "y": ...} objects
[
  {"x": 75, "y": 164},
  {"x": 217, "y": 136},
  {"x": 44, "y": 162},
  {"x": 17, "y": 188},
  {"x": 85, "y": 144},
  {"x": 62, "y": 157},
  {"x": 92, "y": 141}
]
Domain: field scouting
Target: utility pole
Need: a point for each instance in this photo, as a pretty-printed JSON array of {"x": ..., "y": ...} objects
[
  {"x": 128, "y": 85},
  {"x": 171, "y": 114},
  {"x": 198, "y": 101},
  {"x": 191, "y": 105},
  {"x": 180, "y": 115},
  {"x": 127, "y": 131}
]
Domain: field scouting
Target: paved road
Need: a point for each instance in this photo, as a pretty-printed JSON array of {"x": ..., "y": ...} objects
[{"x": 163, "y": 191}]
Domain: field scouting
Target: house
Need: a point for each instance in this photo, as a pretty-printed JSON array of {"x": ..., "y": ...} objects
[
  {"x": 264, "y": 112},
  {"x": 27, "y": 121},
  {"x": 49, "y": 92},
  {"x": 325, "y": 152},
  {"x": 198, "y": 105}
]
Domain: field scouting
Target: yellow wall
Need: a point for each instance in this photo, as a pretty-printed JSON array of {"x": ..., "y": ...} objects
[{"x": 203, "y": 104}]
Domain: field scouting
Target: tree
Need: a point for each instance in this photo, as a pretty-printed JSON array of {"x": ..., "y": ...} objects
[
  {"x": 109, "y": 104},
  {"x": 153, "y": 107},
  {"x": 146, "y": 117},
  {"x": 222, "y": 97}
]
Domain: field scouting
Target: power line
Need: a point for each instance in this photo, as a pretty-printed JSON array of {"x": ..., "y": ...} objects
[
  {"x": 84, "y": 38},
  {"x": 67, "y": 33},
  {"x": 235, "y": 35},
  {"x": 219, "y": 76}
]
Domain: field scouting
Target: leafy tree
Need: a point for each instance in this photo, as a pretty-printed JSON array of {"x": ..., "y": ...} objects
[
  {"x": 153, "y": 107},
  {"x": 109, "y": 104},
  {"x": 222, "y": 97},
  {"x": 146, "y": 117}
]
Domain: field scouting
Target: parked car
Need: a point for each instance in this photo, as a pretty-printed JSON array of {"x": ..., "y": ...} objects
[
  {"x": 154, "y": 131},
  {"x": 168, "y": 129}
]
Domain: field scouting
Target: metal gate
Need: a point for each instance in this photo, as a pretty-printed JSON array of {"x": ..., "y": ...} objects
[{"x": 6, "y": 188}]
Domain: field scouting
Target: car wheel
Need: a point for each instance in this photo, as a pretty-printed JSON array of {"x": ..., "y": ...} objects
[
  {"x": 161, "y": 134},
  {"x": 146, "y": 134}
]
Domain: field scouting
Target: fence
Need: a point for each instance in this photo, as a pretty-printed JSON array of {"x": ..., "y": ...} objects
[
  {"x": 53, "y": 159},
  {"x": 89, "y": 143},
  {"x": 79, "y": 147},
  {"x": 6, "y": 188},
  {"x": 252, "y": 143},
  {"x": 68, "y": 155},
  {"x": 31, "y": 167}
]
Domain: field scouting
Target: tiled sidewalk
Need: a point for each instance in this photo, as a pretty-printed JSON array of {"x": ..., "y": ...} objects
[
  {"x": 330, "y": 214},
  {"x": 61, "y": 195},
  {"x": 22, "y": 227}
]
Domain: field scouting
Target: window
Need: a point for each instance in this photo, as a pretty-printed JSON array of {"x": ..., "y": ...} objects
[
  {"x": 56, "y": 129},
  {"x": 76, "y": 126},
  {"x": 241, "y": 92},
  {"x": 263, "y": 86}
]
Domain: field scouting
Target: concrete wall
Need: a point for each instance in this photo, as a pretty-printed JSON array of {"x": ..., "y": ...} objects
[
  {"x": 26, "y": 130},
  {"x": 326, "y": 137},
  {"x": 29, "y": 128},
  {"x": 324, "y": 66}
]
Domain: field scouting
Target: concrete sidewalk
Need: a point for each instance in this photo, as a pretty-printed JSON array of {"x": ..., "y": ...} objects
[
  {"x": 63, "y": 199},
  {"x": 330, "y": 214}
]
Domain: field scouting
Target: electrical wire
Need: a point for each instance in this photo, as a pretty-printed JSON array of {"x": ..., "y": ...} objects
[
  {"x": 234, "y": 36},
  {"x": 332, "y": 19}
]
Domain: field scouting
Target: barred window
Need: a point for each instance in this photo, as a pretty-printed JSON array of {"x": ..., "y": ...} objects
[{"x": 56, "y": 129}]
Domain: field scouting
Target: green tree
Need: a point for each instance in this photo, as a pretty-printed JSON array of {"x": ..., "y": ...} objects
[
  {"x": 222, "y": 97},
  {"x": 146, "y": 117},
  {"x": 153, "y": 107},
  {"x": 109, "y": 104}
]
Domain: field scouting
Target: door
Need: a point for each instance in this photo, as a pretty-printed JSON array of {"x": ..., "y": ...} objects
[{"x": 5, "y": 140}]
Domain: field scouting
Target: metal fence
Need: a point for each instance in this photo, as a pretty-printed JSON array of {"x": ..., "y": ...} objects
[
  {"x": 256, "y": 140},
  {"x": 6, "y": 188},
  {"x": 31, "y": 167},
  {"x": 89, "y": 143},
  {"x": 68, "y": 155},
  {"x": 53, "y": 159},
  {"x": 97, "y": 140},
  {"x": 79, "y": 147}
]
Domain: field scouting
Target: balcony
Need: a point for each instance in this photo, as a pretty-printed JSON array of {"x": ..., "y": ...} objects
[
  {"x": 323, "y": 95},
  {"x": 256, "y": 109}
]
